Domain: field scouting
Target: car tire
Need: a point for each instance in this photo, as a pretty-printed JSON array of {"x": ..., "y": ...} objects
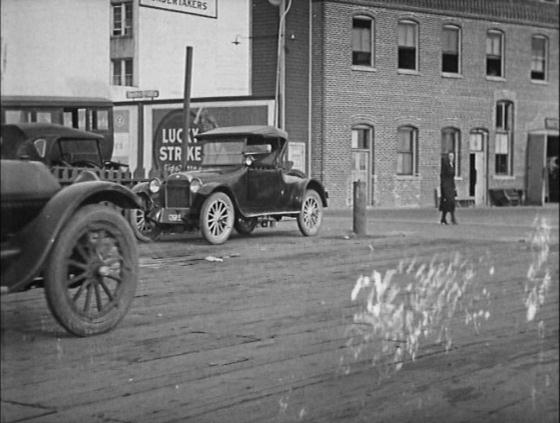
[
  {"x": 217, "y": 218},
  {"x": 92, "y": 271},
  {"x": 311, "y": 213},
  {"x": 245, "y": 226},
  {"x": 144, "y": 229}
]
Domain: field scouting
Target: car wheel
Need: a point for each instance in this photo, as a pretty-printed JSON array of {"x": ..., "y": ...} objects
[
  {"x": 216, "y": 218},
  {"x": 311, "y": 214},
  {"x": 92, "y": 271},
  {"x": 245, "y": 226},
  {"x": 144, "y": 229}
]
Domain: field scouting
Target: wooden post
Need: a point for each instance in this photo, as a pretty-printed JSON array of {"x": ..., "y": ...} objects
[
  {"x": 187, "y": 104},
  {"x": 360, "y": 215}
]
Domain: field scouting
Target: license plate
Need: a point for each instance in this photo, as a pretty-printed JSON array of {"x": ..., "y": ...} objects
[{"x": 174, "y": 217}]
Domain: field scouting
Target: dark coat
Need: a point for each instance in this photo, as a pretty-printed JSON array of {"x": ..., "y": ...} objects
[{"x": 447, "y": 187}]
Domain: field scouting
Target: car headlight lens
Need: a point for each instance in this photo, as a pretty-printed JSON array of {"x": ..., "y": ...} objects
[
  {"x": 155, "y": 185},
  {"x": 196, "y": 184}
]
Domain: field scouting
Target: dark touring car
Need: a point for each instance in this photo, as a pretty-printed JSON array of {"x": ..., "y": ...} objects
[
  {"x": 69, "y": 240},
  {"x": 244, "y": 179}
]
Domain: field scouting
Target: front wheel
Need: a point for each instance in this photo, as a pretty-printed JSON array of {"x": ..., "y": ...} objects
[
  {"x": 216, "y": 218},
  {"x": 311, "y": 213},
  {"x": 92, "y": 271}
]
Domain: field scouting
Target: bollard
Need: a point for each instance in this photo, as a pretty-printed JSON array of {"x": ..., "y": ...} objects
[{"x": 360, "y": 215}]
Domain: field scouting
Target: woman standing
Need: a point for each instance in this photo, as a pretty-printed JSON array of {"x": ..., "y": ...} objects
[{"x": 447, "y": 189}]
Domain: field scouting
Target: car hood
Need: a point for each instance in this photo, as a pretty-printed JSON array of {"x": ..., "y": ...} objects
[{"x": 212, "y": 174}]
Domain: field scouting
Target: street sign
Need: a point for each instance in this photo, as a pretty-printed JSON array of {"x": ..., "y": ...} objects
[{"x": 142, "y": 94}]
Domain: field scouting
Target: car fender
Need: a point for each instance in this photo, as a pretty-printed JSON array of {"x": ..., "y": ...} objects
[
  {"x": 302, "y": 186},
  {"x": 209, "y": 188},
  {"x": 38, "y": 237}
]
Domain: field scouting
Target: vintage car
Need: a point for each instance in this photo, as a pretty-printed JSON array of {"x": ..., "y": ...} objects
[
  {"x": 71, "y": 241},
  {"x": 56, "y": 145},
  {"x": 243, "y": 179}
]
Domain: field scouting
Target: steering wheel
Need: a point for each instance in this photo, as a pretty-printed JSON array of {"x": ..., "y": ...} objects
[{"x": 85, "y": 163}]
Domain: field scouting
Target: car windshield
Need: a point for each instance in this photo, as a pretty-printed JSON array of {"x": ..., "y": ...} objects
[
  {"x": 221, "y": 152},
  {"x": 75, "y": 150}
]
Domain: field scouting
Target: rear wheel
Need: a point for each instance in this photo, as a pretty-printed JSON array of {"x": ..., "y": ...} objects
[
  {"x": 311, "y": 214},
  {"x": 216, "y": 218},
  {"x": 245, "y": 226},
  {"x": 92, "y": 271}
]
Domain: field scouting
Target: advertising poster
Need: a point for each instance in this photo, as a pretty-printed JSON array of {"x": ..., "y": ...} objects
[{"x": 172, "y": 154}]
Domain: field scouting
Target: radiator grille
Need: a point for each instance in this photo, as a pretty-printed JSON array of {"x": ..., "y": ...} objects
[{"x": 177, "y": 194}]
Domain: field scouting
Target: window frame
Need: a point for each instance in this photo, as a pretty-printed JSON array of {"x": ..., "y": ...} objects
[
  {"x": 124, "y": 64},
  {"x": 456, "y": 140},
  {"x": 413, "y": 152},
  {"x": 504, "y": 127},
  {"x": 121, "y": 27},
  {"x": 544, "y": 58},
  {"x": 370, "y": 136},
  {"x": 371, "y": 21},
  {"x": 502, "y": 38},
  {"x": 457, "y": 29},
  {"x": 415, "y": 25}
]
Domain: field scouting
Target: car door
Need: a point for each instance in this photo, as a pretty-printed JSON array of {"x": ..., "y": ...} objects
[{"x": 264, "y": 183}]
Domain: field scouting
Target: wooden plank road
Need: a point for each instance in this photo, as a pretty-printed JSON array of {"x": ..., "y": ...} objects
[{"x": 263, "y": 336}]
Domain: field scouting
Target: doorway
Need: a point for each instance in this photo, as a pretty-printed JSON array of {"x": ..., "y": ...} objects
[
  {"x": 552, "y": 169},
  {"x": 478, "y": 180}
]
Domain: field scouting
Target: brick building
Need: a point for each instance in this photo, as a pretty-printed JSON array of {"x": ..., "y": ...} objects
[{"x": 379, "y": 90}]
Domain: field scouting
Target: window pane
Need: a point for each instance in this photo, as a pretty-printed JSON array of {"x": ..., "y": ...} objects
[
  {"x": 407, "y": 58},
  {"x": 450, "y": 63},
  {"x": 407, "y": 34},
  {"x": 502, "y": 145},
  {"x": 450, "y": 40},
  {"x": 493, "y": 44},
  {"x": 404, "y": 163},
  {"x": 362, "y": 42},
  {"x": 493, "y": 66},
  {"x": 102, "y": 119},
  {"x": 117, "y": 19},
  {"x": 128, "y": 72},
  {"x": 405, "y": 141},
  {"x": 501, "y": 163},
  {"x": 538, "y": 58}
]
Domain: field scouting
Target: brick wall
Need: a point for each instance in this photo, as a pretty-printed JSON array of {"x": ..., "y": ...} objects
[{"x": 426, "y": 100}]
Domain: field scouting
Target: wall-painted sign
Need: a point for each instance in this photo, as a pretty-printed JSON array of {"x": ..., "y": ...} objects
[
  {"x": 208, "y": 8},
  {"x": 169, "y": 152}
]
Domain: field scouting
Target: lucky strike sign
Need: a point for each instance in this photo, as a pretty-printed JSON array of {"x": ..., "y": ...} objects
[{"x": 170, "y": 151}]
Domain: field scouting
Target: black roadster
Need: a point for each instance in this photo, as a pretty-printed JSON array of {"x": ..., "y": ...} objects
[
  {"x": 72, "y": 241},
  {"x": 244, "y": 178}
]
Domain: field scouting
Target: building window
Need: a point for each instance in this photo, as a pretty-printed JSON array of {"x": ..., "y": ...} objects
[
  {"x": 408, "y": 45},
  {"x": 504, "y": 138},
  {"x": 122, "y": 19},
  {"x": 407, "y": 151},
  {"x": 450, "y": 49},
  {"x": 122, "y": 72},
  {"x": 362, "y": 41},
  {"x": 538, "y": 57},
  {"x": 494, "y": 53},
  {"x": 451, "y": 143}
]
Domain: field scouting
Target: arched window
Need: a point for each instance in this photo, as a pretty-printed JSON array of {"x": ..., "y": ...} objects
[
  {"x": 408, "y": 45},
  {"x": 495, "y": 53},
  {"x": 539, "y": 53},
  {"x": 363, "y": 41},
  {"x": 451, "y": 143},
  {"x": 451, "y": 49},
  {"x": 407, "y": 150}
]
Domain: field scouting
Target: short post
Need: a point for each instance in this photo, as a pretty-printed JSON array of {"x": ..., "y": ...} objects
[{"x": 360, "y": 215}]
